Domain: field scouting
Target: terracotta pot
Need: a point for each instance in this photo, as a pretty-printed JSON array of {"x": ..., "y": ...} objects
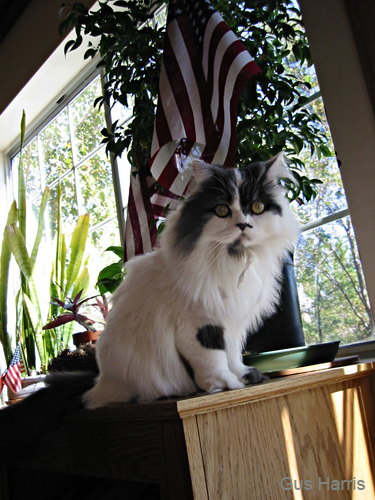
[{"x": 84, "y": 337}]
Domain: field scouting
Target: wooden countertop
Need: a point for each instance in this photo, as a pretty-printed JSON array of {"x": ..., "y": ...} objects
[{"x": 202, "y": 403}]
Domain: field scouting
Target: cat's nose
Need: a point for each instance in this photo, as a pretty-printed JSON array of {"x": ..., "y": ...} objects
[{"x": 243, "y": 226}]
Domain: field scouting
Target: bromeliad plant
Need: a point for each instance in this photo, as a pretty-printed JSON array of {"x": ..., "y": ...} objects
[{"x": 71, "y": 307}]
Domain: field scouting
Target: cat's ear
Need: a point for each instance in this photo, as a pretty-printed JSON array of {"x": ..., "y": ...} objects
[
  {"x": 201, "y": 170},
  {"x": 277, "y": 168}
]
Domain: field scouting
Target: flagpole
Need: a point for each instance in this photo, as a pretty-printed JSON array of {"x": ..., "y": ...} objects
[{"x": 23, "y": 353}]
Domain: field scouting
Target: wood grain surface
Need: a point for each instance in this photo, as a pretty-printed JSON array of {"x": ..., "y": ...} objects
[
  {"x": 234, "y": 445},
  {"x": 308, "y": 437}
]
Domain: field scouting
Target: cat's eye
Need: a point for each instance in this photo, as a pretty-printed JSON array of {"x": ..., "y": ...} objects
[
  {"x": 222, "y": 210},
  {"x": 257, "y": 208}
]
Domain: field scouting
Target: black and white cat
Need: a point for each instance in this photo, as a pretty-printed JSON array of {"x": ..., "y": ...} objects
[{"x": 180, "y": 318}]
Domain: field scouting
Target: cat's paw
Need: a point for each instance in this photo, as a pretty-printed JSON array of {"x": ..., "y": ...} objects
[
  {"x": 253, "y": 376},
  {"x": 219, "y": 381}
]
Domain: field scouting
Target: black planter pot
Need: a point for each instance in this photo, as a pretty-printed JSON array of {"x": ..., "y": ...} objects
[{"x": 284, "y": 329}]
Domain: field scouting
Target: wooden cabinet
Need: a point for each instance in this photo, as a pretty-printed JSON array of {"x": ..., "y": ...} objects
[{"x": 302, "y": 437}]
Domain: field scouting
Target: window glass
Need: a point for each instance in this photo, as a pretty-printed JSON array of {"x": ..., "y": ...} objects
[
  {"x": 96, "y": 187},
  {"x": 55, "y": 148},
  {"x": 69, "y": 205},
  {"x": 87, "y": 121},
  {"x": 332, "y": 292},
  {"x": 68, "y": 150},
  {"x": 102, "y": 238}
]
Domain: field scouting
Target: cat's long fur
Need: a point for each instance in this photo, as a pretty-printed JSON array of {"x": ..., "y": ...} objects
[{"x": 181, "y": 316}]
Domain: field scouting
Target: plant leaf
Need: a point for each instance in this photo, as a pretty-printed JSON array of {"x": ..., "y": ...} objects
[
  {"x": 61, "y": 320},
  {"x": 17, "y": 246},
  {"x": 36, "y": 324},
  {"x": 82, "y": 282},
  {"x": 21, "y": 182},
  {"x": 38, "y": 238},
  {"x": 4, "y": 277},
  {"x": 16, "y": 243},
  {"x": 119, "y": 251},
  {"x": 77, "y": 247}
]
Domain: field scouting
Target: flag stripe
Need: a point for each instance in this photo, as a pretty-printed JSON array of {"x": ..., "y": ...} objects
[
  {"x": 159, "y": 202},
  {"x": 160, "y": 160},
  {"x": 238, "y": 87},
  {"x": 12, "y": 376},
  {"x": 176, "y": 127},
  {"x": 162, "y": 134},
  {"x": 134, "y": 227},
  {"x": 184, "y": 62},
  {"x": 211, "y": 26},
  {"x": 219, "y": 69},
  {"x": 181, "y": 93},
  {"x": 227, "y": 124}
]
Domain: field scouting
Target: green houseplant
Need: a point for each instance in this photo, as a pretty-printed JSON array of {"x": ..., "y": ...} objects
[
  {"x": 71, "y": 273},
  {"x": 271, "y": 114},
  {"x": 68, "y": 276},
  {"x": 29, "y": 320},
  {"x": 71, "y": 312},
  {"x": 110, "y": 277}
]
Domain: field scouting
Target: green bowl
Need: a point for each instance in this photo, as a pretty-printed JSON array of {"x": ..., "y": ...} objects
[{"x": 285, "y": 359}]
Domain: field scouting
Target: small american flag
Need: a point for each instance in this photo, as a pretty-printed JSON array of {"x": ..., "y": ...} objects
[
  {"x": 204, "y": 70},
  {"x": 12, "y": 376}
]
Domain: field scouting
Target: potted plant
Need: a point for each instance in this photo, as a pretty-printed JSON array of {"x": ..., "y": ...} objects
[
  {"x": 28, "y": 314},
  {"x": 72, "y": 307},
  {"x": 71, "y": 274}
]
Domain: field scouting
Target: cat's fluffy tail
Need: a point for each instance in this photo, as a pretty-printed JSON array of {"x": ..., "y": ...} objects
[{"x": 23, "y": 424}]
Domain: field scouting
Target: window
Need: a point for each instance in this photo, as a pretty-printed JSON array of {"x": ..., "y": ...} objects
[
  {"x": 68, "y": 149},
  {"x": 333, "y": 298}
]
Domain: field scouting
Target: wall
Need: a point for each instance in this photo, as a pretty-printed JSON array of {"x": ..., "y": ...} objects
[
  {"x": 28, "y": 45},
  {"x": 37, "y": 69}
]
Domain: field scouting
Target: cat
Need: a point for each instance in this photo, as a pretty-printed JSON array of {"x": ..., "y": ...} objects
[{"x": 180, "y": 318}]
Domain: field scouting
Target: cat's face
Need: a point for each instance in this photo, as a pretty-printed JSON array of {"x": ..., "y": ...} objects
[{"x": 233, "y": 208}]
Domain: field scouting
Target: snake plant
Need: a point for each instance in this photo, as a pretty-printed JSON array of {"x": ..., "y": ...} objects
[
  {"x": 29, "y": 319},
  {"x": 29, "y": 322}
]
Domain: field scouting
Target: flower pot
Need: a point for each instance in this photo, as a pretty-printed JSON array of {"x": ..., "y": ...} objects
[
  {"x": 30, "y": 384},
  {"x": 84, "y": 337}
]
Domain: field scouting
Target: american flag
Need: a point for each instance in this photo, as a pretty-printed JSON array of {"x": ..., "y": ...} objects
[
  {"x": 12, "y": 376},
  {"x": 204, "y": 70}
]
